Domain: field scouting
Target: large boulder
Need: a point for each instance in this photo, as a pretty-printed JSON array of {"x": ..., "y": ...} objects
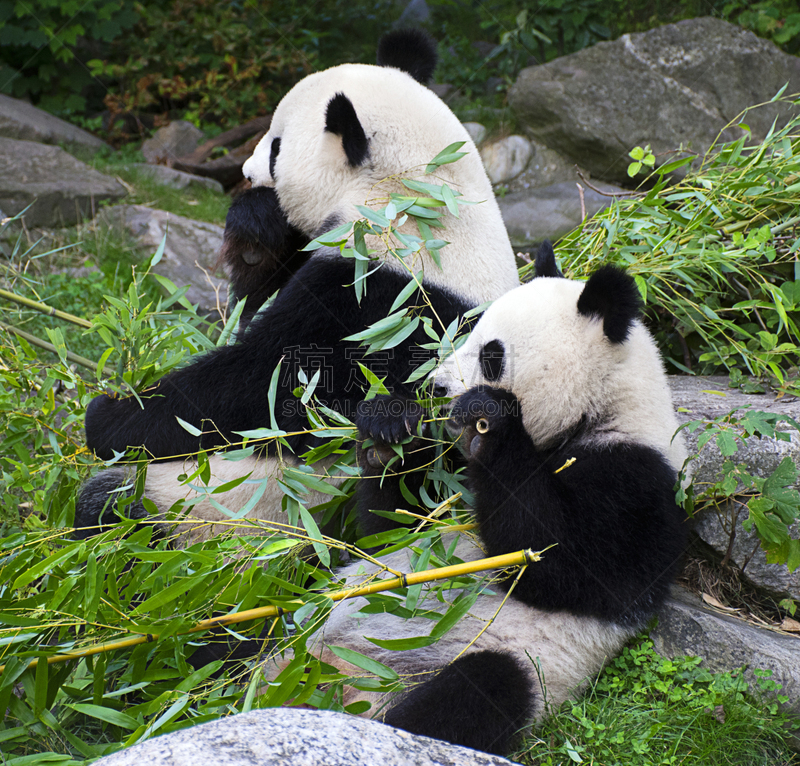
[
  {"x": 59, "y": 189},
  {"x": 23, "y": 121},
  {"x": 679, "y": 84},
  {"x": 708, "y": 398},
  {"x": 190, "y": 254},
  {"x": 294, "y": 737}
]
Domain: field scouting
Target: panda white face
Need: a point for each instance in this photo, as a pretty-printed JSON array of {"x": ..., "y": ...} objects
[
  {"x": 533, "y": 342},
  {"x": 560, "y": 361},
  {"x": 346, "y": 137},
  {"x": 320, "y": 173}
]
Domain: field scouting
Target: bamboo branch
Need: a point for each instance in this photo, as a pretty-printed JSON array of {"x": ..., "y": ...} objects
[
  {"x": 520, "y": 558},
  {"x": 45, "y": 309},
  {"x": 74, "y": 358}
]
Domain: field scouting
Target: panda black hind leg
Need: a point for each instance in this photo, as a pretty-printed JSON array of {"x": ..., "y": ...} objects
[
  {"x": 481, "y": 700},
  {"x": 101, "y": 503}
]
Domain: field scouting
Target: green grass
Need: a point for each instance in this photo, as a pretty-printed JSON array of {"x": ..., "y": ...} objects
[
  {"x": 645, "y": 710},
  {"x": 195, "y": 202}
]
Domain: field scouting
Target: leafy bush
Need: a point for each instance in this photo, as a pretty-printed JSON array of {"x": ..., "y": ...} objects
[
  {"x": 714, "y": 256},
  {"x": 42, "y": 43},
  {"x": 773, "y": 503}
]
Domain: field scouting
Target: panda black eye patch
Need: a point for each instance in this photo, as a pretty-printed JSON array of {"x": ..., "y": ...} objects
[
  {"x": 492, "y": 358},
  {"x": 273, "y": 155}
]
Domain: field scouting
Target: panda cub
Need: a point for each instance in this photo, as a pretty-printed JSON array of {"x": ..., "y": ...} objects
[
  {"x": 563, "y": 412},
  {"x": 334, "y": 140}
]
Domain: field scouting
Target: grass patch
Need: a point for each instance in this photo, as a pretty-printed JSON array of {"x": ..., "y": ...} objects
[
  {"x": 650, "y": 711},
  {"x": 196, "y": 202}
]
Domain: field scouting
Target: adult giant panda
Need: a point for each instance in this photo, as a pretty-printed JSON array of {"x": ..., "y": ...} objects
[
  {"x": 565, "y": 417},
  {"x": 334, "y": 140}
]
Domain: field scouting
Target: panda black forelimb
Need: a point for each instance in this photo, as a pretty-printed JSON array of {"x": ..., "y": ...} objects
[
  {"x": 388, "y": 420},
  {"x": 225, "y": 390},
  {"x": 261, "y": 249},
  {"x": 481, "y": 700},
  {"x": 610, "y": 513}
]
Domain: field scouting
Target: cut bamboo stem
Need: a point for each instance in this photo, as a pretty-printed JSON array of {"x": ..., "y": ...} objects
[
  {"x": 43, "y": 308},
  {"x": 520, "y": 558}
]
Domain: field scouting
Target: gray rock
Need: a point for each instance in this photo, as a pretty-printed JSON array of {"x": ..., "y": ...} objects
[
  {"x": 710, "y": 397},
  {"x": 61, "y": 189},
  {"x": 725, "y": 642},
  {"x": 414, "y": 14},
  {"x": 746, "y": 552},
  {"x": 507, "y": 158},
  {"x": 477, "y": 132},
  {"x": 177, "y": 139},
  {"x": 546, "y": 167},
  {"x": 292, "y": 737},
  {"x": 676, "y": 84},
  {"x": 23, "y": 121},
  {"x": 190, "y": 246},
  {"x": 175, "y": 179},
  {"x": 548, "y": 212}
]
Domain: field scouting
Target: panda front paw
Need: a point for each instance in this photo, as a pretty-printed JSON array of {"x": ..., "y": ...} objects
[
  {"x": 483, "y": 414},
  {"x": 386, "y": 420}
]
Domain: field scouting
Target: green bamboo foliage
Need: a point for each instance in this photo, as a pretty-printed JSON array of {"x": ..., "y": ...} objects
[{"x": 715, "y": 256}]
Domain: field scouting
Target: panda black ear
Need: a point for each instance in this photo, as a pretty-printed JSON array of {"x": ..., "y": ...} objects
[
  {"x": 545, "y": 263},
  {"x": 341, "y": 119},
  {"x": 412, "y": 50},
  {"x": 612, "y": 295}
]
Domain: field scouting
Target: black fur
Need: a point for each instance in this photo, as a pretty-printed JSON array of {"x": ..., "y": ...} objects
[
  {"x": 342, "y": 120},
  {"x": 261, "y": 249},
  {"x": 389, "y": 420},
  {"x": 611, "y": 514},
  {"x": 492, "y": 359},
  {"x": 481, "y": 700},
  {"x": 611, "y": 295},
  {"x": 226, "y": 389},
  {"x": 274, "y": 150},
  {"x": 97, "y": 507},
  {"x": 545, "y": 264},
  {"x": 412, "y": 50}
]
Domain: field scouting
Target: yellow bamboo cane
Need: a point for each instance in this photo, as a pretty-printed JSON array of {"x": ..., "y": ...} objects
[
  {"x": 43, "y": 308},
  {"x": 520, "y": 558}
]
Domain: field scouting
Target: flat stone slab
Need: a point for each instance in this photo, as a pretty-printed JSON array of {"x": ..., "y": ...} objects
[
  {"x": 725, "y": 642},
  {"x": 294, "y": 737},
  {"x": 191, "y": 247},
  {"x": 23, "y": 121},
  {"x": 175, "y": 179},
  {"x": 60, "y": 189}
]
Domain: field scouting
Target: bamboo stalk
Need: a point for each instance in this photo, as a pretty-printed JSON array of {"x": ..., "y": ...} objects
[
  {"x": 47, "y": 346},
  {"x": 43, "y": 308},
  {"x": 520, "y": 558}
]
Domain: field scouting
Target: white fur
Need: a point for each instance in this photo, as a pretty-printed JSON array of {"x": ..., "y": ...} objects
[
  {"x": 164, "y": 490},
  {"x": 407, "y": 125},
  {"x": 560, "y": 366},
  {"x": 568, "y": 650}
]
